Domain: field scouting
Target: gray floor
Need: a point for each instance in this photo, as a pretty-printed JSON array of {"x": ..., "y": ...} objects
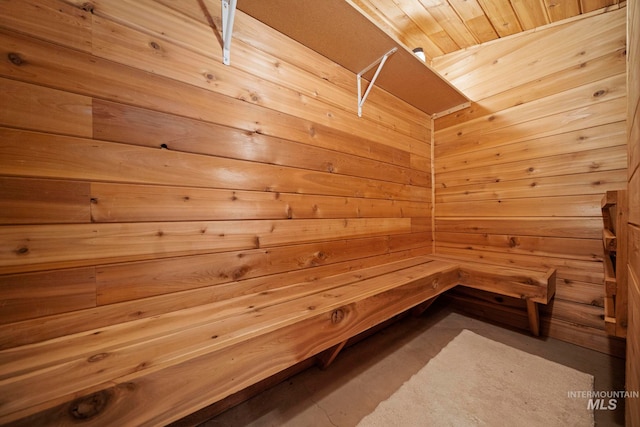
[{"x": 369, "y": 372}]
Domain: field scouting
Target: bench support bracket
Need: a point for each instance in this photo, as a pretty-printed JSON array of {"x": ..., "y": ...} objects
[
  {"x": 327, "y": 357},
  {"x": 422, "y": 307}
]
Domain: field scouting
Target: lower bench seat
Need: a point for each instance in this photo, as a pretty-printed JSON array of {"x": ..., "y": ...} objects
[
  {"x": 534, "y": 286},
  {"x": 156, "y": 370}
]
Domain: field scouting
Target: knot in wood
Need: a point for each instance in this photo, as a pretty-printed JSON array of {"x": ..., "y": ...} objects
[
  {"x": 337, "y": 316},
  {"x": 88, "y": 7},
  {"x": 23, "y": 250},
  {"x": 599, "y": 93},
  {"x": 15, "y": 59},
  {"x": 88, "y": 407},
  {"x": 239, "y": 272},
  {"x": 97, "y": 357}
]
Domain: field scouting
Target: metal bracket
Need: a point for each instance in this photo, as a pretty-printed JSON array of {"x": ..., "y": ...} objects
[
  {"x": 228, "y": 14},
  {"x": 380, "y": 62}
]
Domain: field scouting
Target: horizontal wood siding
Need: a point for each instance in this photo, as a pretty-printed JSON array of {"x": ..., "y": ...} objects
[
  {"x": 140, "y": 176},
  {"x": 520, "y": 174}
]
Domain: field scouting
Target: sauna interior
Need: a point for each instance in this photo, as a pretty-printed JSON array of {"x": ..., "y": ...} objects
[{"x": 175, "y": 229}]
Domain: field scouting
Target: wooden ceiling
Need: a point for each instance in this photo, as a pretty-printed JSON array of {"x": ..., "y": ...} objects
[{"x": 444, "y": 26}]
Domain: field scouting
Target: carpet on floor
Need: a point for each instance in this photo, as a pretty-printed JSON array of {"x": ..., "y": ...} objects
[{"x": 475, "y": 381}]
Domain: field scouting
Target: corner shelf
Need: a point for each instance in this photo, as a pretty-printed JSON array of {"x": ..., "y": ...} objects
[{"x": 614, "y": 241}]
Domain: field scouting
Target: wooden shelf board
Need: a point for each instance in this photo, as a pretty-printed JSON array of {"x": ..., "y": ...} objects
[{"x": 340, "y": 32}]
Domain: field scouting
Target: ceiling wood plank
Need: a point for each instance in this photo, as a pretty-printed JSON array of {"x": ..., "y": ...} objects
[
  {"x": 562, "y": 9},
  {"x": 475, "y": 19},
  {"x": 389, "y": 23},
  {"x": 417, "y": 13},
  {"x": 502, "y": 17},
  {"x": 531, "y": 13},
  {"x": 447, "y": 17},
  {"x": 591, "y": 5}
]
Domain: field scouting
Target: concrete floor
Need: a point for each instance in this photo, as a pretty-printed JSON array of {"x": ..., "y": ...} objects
[{"x": 370, "y": 371}]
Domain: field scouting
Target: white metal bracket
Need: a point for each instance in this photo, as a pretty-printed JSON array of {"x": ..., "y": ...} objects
[
  {"x": 228, "y": 14},
  {"x": 380, "y": 63}
]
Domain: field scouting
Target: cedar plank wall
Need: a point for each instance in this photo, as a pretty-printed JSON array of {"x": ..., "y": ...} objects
[
  {"x": 520, "y": 174},
  {"x": 633, "y": 121},
  {"x": 138, "y": 173}
]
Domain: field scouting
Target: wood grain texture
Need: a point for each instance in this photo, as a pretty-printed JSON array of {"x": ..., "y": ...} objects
[
  {"x": 144, "y": 203},
  {"x": 244, "y": 218},
  {"x": 129, "y": 281},
  {"x": 38, "y": 108},
  {"x": 585, "y": 228},
  {"x": 164, "y": 127},
  {"x": 36, "y": 295},
  {"x": 543, "y": 246},
  {"x": 133, "y": 125},
  {"x": 32, "y": 331},
  {"x": 135, "y": 356},
  {"x": 588, "y": 71},
  {"x": 31, "y": 248},
  {"x": 263, "y": 41},
  {"x": 75, "y": 158},
  {"x": 121, "y": 123},
  {"x": 128, "y": 351},
  {"x": 589, "y": 271},
  {"x": 585, "y": 40},
  {"x": 560, "y": 329},
  {"x": 52, "y": 20},
  {"x": 39, "y": 201},
  {"x": 526, "y": 165},
  {"x": 633, "y": 261},
  {"x": 527, "y": 127},
  {"x": 591, "y": 138},
  {"x": 88, "y": 75},
  {"x": 591, "y": 183},
  {"x": 253, "y": 77}
]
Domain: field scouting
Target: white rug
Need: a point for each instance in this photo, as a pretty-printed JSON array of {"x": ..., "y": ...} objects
[{"x": 475, "y": 381}]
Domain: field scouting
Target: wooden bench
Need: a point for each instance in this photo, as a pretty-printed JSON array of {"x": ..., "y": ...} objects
[
  {"x": 155, "y": 370},
  {"x": 534, "y": 286}
]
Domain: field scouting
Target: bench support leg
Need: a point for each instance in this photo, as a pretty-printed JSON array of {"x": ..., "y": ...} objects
[
  {"x": 328, "y": 356},
  {"x": 422, "y": 307},
  {"x": 534, "y": 317}
]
